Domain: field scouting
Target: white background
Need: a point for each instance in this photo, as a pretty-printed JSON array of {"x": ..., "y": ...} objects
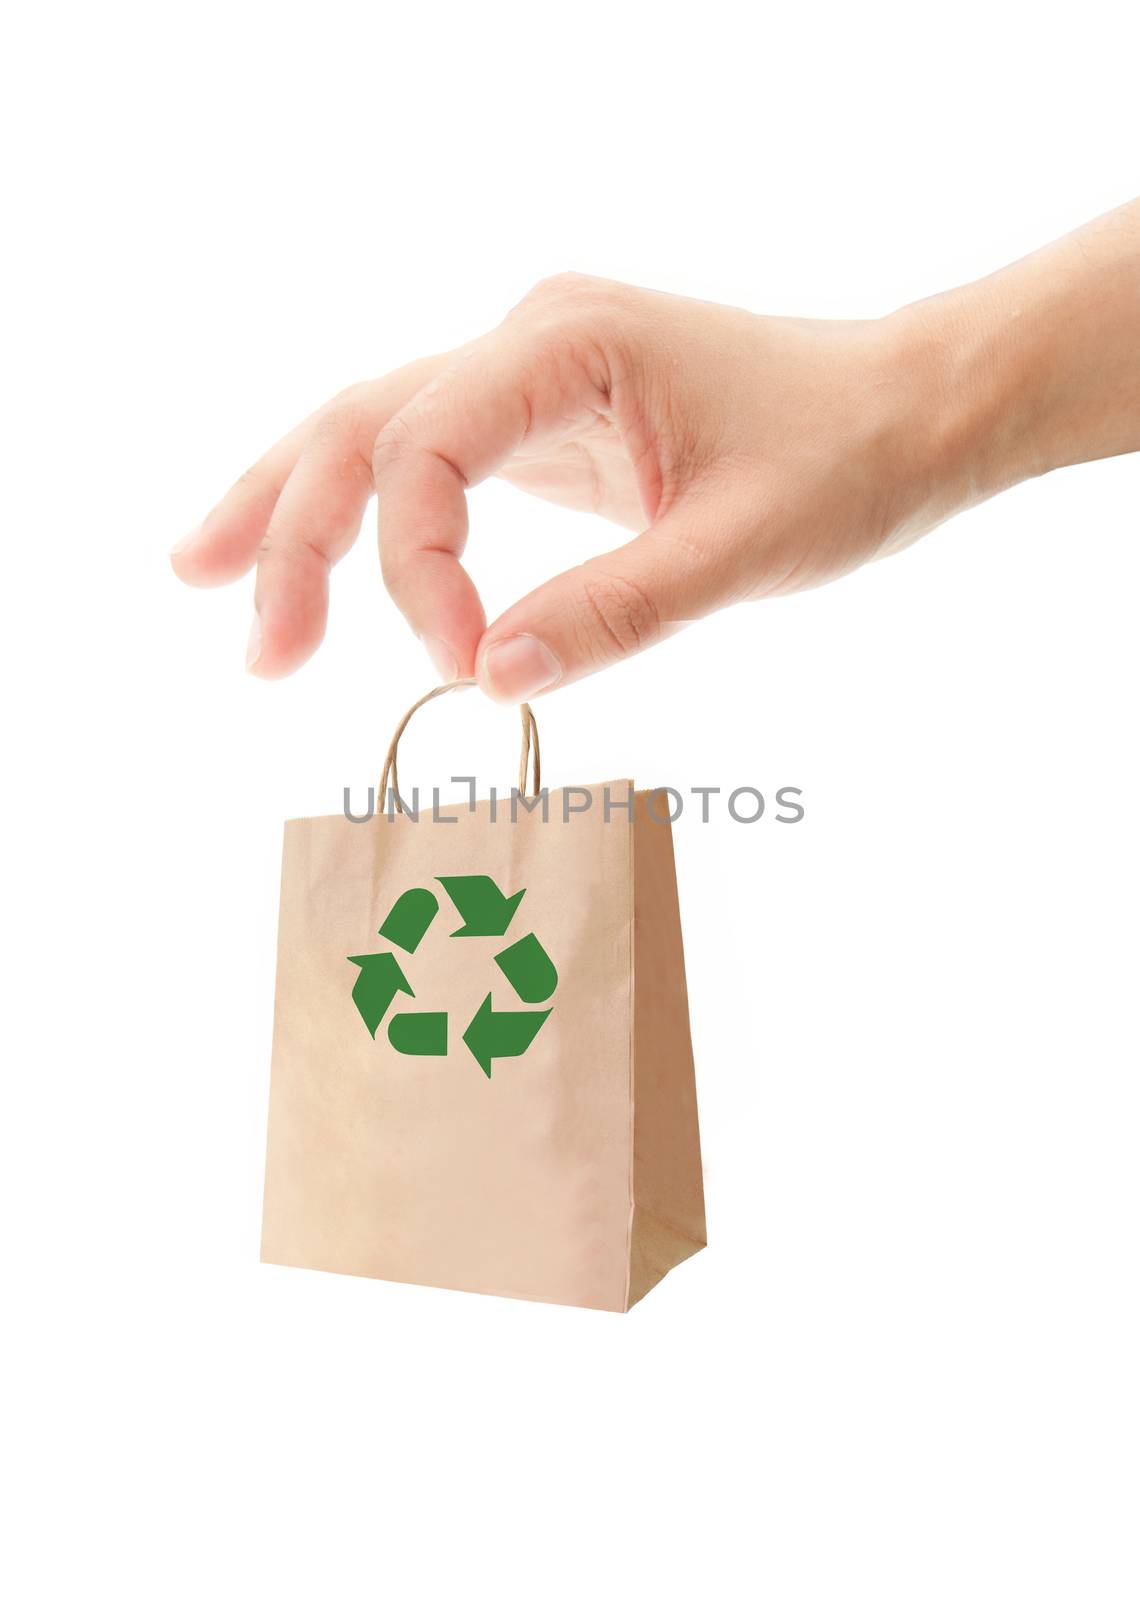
[{"x": 907, "y": 1363}]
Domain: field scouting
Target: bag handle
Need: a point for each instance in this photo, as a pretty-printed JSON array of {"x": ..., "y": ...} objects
[{"x": 531, "y": 756}]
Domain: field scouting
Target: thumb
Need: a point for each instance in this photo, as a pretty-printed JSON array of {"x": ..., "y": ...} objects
[{"x": 604, "y": 610}]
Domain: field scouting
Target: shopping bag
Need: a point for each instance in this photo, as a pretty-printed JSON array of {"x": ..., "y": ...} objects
[{"x": 482, "y": 1075}]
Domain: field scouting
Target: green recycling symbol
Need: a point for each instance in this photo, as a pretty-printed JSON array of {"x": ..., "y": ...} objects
[{"x": 487, "y": 914}]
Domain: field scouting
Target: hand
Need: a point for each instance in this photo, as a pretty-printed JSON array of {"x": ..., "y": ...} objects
[{"x": 757, "y": 455}]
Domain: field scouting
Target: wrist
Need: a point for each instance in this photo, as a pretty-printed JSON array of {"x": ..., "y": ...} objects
[
  {"x": 975, "y": 401},
  {"x": 1031, "y": 369}
]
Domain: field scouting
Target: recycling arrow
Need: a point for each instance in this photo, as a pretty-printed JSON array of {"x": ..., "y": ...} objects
[
  {"x": 493, "y": 1034},
  {"x": 410, "y": 918},
  {"x": 528, "y": 969},
  {"x": 419, "y": 1033},
  {"x": 485, "y": 909},
  {"x": 377, "y": 986}
]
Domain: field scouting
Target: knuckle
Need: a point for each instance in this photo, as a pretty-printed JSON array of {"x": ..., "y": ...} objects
[
  {"x": 340, "y": 437},
  {"x": 402, "y": 572},
  {"x": 293, "y": 550},
  {"x": 563, "y": 286},
  {"x": 340, "y": 419},
  {"x": 562, "y": 297},
  {"x": 574, "y": 290},
  {"x": 622, "y": 610},
  {"x": 393, "y": 440},
  {"x": 572, "y": 313}
]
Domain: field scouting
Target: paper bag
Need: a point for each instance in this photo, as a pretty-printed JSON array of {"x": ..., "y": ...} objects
[{"x": 482, "y": 1074}]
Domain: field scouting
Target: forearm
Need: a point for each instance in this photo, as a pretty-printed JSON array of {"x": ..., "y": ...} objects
[{"x": 1038, "y": 366}]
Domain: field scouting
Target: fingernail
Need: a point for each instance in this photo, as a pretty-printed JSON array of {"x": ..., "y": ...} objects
[
  {"x": 253, "y": 648},
  {"x": 513, "y": 669},
  {"x": 186, "y": 541},
  {"x": 442, "y": 657}
]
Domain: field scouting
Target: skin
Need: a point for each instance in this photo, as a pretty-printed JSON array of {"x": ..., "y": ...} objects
[{"x": 748, "y": 456}]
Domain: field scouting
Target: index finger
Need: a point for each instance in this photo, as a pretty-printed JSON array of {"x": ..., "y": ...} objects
[{"x": 458, "y": 430}]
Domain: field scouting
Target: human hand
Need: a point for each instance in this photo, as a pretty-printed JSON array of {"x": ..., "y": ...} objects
[{"x": 752, "y": 456}]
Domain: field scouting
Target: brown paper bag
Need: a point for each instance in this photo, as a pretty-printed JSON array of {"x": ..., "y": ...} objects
[{"x": 482, "y": 1074}]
